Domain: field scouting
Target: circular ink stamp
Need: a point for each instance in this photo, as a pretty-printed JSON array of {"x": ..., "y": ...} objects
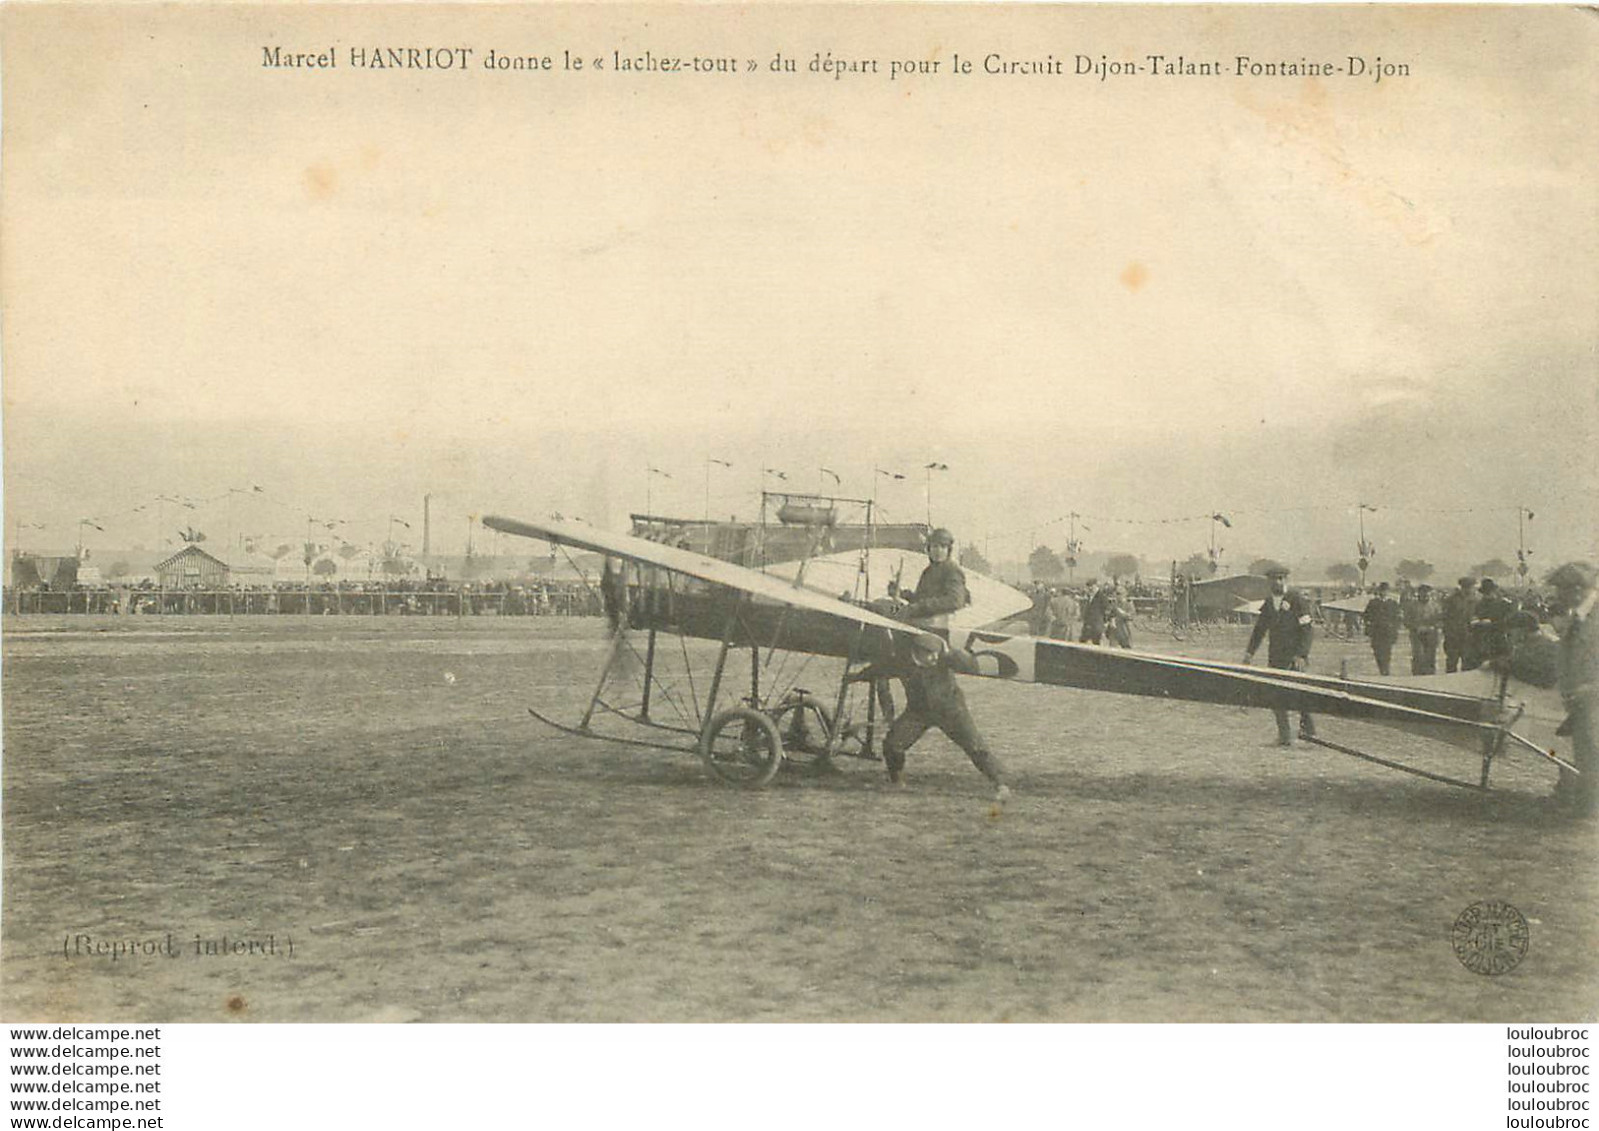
[{"x": 1490, "y": 937}]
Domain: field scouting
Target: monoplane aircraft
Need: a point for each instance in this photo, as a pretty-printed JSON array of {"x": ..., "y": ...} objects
[{"x": 782, "y": 625}]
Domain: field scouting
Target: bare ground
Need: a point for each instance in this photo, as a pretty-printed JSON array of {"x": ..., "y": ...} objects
[{"x": 373, "y": 791}]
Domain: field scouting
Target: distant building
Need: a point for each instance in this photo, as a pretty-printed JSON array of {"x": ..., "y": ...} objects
[
  {"x": 35, "y": 571},
  {"x": 192, "y": 568},
  {"x": 247, "y": 569}
]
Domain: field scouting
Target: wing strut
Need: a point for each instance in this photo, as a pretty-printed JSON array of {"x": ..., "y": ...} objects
[
  {"x": 729, "y": 633},
  {"x": 618, "y": 641}
]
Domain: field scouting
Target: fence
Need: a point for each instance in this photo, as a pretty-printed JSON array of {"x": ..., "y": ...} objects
[{"x": 304, "y": 602}]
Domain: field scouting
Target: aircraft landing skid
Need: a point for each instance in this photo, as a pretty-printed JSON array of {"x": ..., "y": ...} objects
[
  {"x": 802, "y": 757},
  {"x": 581, "y": 732},
  {"x": 1478, "y": 787}
]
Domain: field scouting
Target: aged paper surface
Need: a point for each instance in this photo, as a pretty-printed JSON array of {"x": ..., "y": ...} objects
[{"x": 275, "y": 274}]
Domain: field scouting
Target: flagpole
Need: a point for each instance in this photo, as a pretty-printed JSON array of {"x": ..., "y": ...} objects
[
  {"x": 1522, "y": 553},
  {"x": 1366, "y": 550}
]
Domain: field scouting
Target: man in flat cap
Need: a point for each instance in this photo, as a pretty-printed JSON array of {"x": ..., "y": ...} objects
[
  {"x": 1579, "y": 684},
  {"x": 1423, "y": 617},
  {"x": 1285, "y": 619}
]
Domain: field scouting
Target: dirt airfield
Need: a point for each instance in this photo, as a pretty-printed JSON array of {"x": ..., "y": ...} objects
[{"x": 371, "y": 793}]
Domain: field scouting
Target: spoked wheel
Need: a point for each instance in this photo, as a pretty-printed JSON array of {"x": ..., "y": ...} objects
[
  {"x": 805, "y": 728},
  {"x": 742, "y": 747}
]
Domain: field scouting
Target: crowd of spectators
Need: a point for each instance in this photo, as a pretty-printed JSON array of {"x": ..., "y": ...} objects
[{"x": 402, "y": 597}]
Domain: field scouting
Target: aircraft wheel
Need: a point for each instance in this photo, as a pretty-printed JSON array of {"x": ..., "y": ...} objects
[
  {"x": 742, "y": 747},
  {"x": 803, "y": 725},
  {"x": 806, "y": 729}
]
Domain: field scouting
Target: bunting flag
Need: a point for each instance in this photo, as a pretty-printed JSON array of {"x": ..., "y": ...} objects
[
  {"x": 719, "y": 462},
  {"x": 658, "y": 471},
  {"x": 1223, "y": 519},
  {"x": 890, "y": 474},
  {"x": 936, "y": 466}
]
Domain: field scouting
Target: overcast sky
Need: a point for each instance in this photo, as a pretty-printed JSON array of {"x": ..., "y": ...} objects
[{"x": 1143, "y": 299}]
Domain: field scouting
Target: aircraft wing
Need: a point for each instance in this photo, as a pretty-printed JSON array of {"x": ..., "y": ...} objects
[
  {"x": 1348, "y": 604},
  {"x": 761, "y": 586}
]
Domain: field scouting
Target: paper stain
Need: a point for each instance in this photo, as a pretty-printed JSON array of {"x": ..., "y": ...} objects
[
  {"x": 323, "y": 179},
  {"x": 816, "y": 129},
  {"x": 236, "y": 1004},
  {"x": 1307, "y": 122},
  {"x": 812, "y": 131},
  {"x": 1135, "y": 276}
]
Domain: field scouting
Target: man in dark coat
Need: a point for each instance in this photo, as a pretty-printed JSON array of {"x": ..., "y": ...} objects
[
  {"x": 1096, "y": 604},
  {"x": 1458, "y": 609},
  {"x": 1490, "y": 626},
  {"x": 932, "y": 697},
  {"x": 1579, "y": 685},
  {"x": 1285, "y": 619},
  {"x": 1383, "y": 617}
]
